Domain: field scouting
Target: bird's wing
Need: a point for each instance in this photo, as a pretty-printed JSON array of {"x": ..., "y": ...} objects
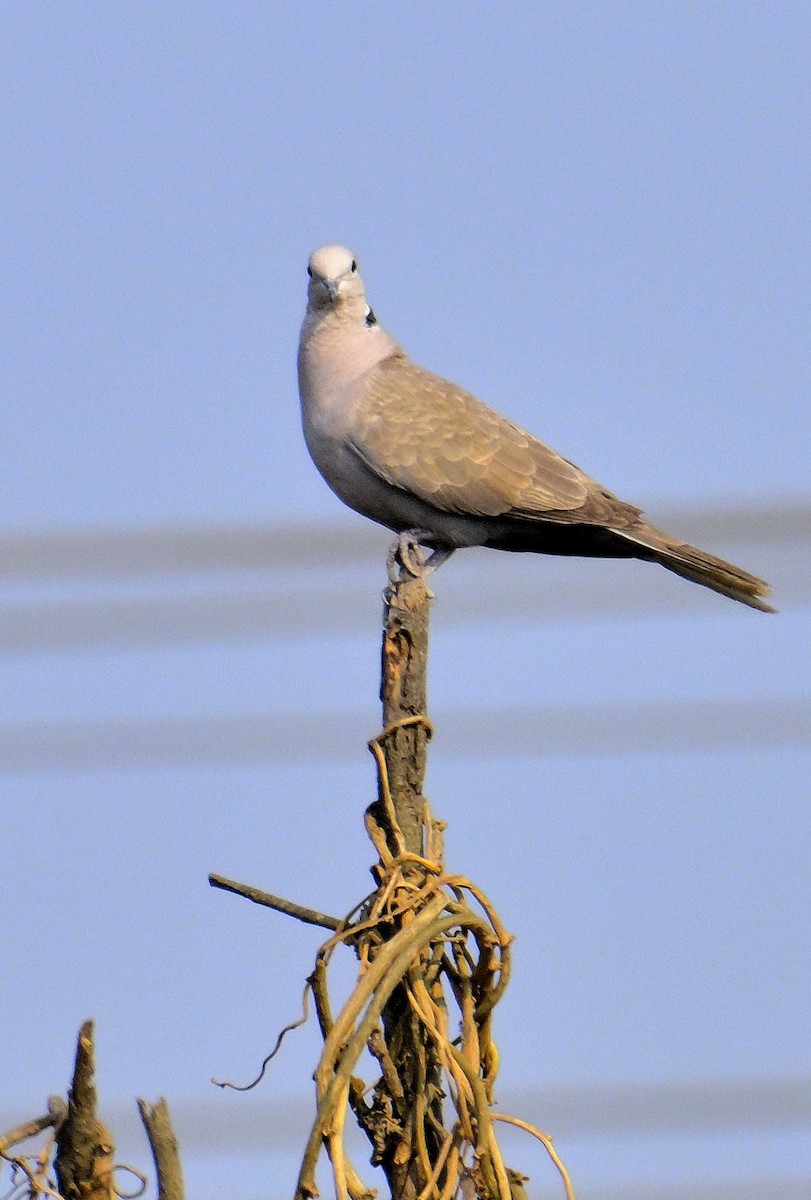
[{"x": 430, "y": 438}]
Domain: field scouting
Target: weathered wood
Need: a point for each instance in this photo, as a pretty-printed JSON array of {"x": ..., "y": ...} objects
[
  {"x": 163, "y": 1144},
  {"x": 403, "y": 693},
  {"x": 410, "y": 1073},
  {"x": 84, "y": 1146}
]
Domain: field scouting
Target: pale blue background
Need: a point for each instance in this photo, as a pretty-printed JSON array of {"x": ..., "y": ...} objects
[{"x": 596, "y": 216}]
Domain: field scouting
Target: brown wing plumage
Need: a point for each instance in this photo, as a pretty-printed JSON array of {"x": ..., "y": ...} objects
[{"x": 436, "y": 441}]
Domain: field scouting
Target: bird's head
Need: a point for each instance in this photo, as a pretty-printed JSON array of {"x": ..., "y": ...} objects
[{"x": 334, "y": 279}]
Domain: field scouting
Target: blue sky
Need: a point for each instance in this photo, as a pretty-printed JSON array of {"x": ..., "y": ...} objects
[{"x": 594, "y": 216}]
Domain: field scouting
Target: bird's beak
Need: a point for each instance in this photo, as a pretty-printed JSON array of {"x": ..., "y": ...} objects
[{"x": 331, "y": 287}]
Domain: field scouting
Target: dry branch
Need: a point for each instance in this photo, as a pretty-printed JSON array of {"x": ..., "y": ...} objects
[
  {"x": 434, "y": 959},
  {"x": 163, "y": 1144},
  {"x": 84, "y": 1146}
]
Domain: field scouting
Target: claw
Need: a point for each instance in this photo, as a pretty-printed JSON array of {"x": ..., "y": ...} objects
[{"x": 406, "y": 554}]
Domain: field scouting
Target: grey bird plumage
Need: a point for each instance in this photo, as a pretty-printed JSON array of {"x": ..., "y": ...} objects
[{"x": 415, "y": 452}]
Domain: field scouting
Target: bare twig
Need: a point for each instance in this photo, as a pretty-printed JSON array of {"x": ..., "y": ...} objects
[
  {"x": 57, "y": 1111},
  {"x": 308, "y": 915},
  {"x": 37, "y": 1186}
]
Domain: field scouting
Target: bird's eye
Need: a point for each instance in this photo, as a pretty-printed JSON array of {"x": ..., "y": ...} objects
[
  {"x": 354, "y": 266},
  {"x": 310, "y": 272}
]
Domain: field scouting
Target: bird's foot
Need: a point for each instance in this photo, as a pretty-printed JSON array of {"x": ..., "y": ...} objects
[{"x": 406, "y": 554}]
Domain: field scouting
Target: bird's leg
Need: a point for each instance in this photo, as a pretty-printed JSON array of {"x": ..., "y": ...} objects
[{"x": 439, "y": 555}]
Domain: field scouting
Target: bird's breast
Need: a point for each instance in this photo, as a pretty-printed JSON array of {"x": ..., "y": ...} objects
[{"x": 332, "y": 359}]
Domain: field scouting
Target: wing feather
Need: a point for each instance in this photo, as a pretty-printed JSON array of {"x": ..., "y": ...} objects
[{"x": 429, "y": 437}]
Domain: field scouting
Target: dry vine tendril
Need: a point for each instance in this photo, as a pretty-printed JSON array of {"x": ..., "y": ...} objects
[{"x": 434, "y": 941}]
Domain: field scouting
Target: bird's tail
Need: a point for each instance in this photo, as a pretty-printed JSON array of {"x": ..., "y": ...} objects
[{"x": 700, "y": 567}]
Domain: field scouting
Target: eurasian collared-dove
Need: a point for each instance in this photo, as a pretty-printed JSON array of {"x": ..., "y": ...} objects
[{"x": 417, "y": 453}]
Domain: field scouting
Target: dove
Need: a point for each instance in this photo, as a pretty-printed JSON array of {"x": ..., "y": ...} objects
[{"x": 420, "y": 455}]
